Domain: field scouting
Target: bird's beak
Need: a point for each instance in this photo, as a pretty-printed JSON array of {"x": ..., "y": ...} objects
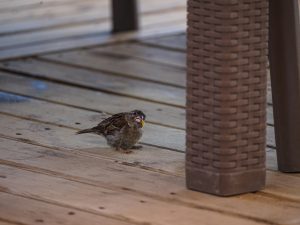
[{"x": 142, "y": 123}]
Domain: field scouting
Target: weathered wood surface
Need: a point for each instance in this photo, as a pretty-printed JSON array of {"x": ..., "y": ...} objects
[
  {"x": 128, "y": 66},
  {"x": 128, "y": 178},
  {"x": 100, "y": 81},
  {"x": 54, "y": 124},
  {"x": 32, "y": 27},
  {"x": 124, "y": 205},
  {"x": 93, "y": 100},
  {"x": 65, "y": 178},
  {"x": 23, "y": 210},
  {"x": 81, "y": 98}
]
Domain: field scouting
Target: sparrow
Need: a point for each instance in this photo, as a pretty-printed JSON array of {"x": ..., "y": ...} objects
[{"x": 121, "y": 131}]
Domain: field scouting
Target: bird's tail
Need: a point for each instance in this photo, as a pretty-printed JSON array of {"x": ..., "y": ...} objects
[{"x": 90, "y": 130}]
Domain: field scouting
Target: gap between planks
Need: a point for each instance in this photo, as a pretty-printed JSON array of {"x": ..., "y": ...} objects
[
  {"x": 64, "y": 159},
  {"x": 158, "y": 114},
  {"x": 131, "y": 210},
  {"x": 91, "y": 40},
  {"x": 38, "y": 211},
  {"x": 88, "y": 145},
  {"x": 97, "y": 81},
  {"x": 92, "y": 12},
  {"x": 86, "y": 40},
  {"x": 21, "y": 39},
  {"x": 91, "y": 100}
]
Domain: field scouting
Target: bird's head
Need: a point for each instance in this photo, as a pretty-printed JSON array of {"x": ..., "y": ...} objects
[{"x": 136, "y": 118}]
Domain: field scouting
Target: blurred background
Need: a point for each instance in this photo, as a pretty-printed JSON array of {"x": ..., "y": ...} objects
[{"x": 37, "y": 26}]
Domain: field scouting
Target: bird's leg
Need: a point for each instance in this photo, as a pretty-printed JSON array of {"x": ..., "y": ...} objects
[
  {"x": 137, "y": 147},
  {"x": 126, "y": 151},
  {"x": 118, "y": 146}
]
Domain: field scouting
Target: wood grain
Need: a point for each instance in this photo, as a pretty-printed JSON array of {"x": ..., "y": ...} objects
[
  {"x": 145, "y": 52},
  {"x": 126, "y": 66},
  {"x": 91, "y": 100},
  {"x": 37, "y": 27},
  {"x": 167, "y": 116},
  {"x": 99, "y": 81},
  {"x": 129, "y": 66},
  {"x": 97, "y": 39},
  {"x": 154, "y": 135},
  {"x": 21, "y": 36},
  {"x": 52, "y": 136},
  {"x": 88, "y": 171},
  {"x": 20, "y": 210},
  {"x": 114, "y": 204},
  {"x": 171, "y": 42}
]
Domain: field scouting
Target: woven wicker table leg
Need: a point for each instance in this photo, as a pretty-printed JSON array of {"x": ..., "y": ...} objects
[
  {"x": 226, "y": 95},
  {"x": 285, "y": 76}
]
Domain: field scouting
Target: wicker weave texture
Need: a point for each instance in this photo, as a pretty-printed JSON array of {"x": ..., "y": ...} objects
[{"x": 226, "y": 85}]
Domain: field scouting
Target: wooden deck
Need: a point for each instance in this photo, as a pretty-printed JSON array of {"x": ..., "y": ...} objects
[{"x": 74, "y": 74}]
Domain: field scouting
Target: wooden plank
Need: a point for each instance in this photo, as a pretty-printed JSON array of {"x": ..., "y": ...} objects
[
  {"x": 92, "y": 13},
  {"x": 90, "y": 40},
  {"x": 92, "y": 26},
  {"x": 20, "y": 210},
  {"x": 173, "y": 42},
  {"x": 102, "y": 81},
  {"x": 35, "y": 10},
  {"x": 76, "y": 119},
  {"x": 18, "y": 40},
  {"x": 31, "y": 153},
  {"x": 92, "y": 100},
  {"x": 99, "y": 81},
  {"x": 129, "y": 66},
  {"x": 105, "y": 82},
  {"x": 86, "y": 34},
  {"x": 26, "y": 8},
  {"x": 148, "y": 53},
  {"x": 8, "y": 6},
  {"x": 126, "y": 66},
  {"x": 40, "y": 25},
  {"x": 49, "y": 113},
  {"x": 166, "y": 115},
  {"x": 268, "y": 209},
  {"x": 2, "y": 222},
  {"x": 152, "y": 54},
  {"x": 114, "y": 204}
]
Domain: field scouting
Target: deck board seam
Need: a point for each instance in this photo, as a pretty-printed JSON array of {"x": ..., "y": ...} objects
[
  {"x": 162, "y": 46},
  {"x": 100, "y": 20},
  {"x": 44, "y": 57},
  {"x": 132, "y": 192},
  {"x": 83, "y": 108},
  {"x": 96, "y": 51},
  {"x": 48, "y": 4},
  {"x": 76, "y": 152},
  {"x": 85, "y": 87},
  {"x": 13, "y": 222},
  {"x": 60, "y": 204}
]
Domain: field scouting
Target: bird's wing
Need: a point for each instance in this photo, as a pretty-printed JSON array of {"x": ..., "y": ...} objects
[{"x": 111, "y": 124}]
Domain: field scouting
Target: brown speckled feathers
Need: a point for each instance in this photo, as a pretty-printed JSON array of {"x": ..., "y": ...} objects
[
  {"x": 122, "y": 130},
  {"x": 107, "y": 126}
]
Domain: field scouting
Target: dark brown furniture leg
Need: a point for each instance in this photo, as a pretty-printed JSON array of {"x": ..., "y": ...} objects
[
  {"x": 226, "y": 95},
  {"x": 285, "y": 77},
  {"x": 124, "y": 15}
]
